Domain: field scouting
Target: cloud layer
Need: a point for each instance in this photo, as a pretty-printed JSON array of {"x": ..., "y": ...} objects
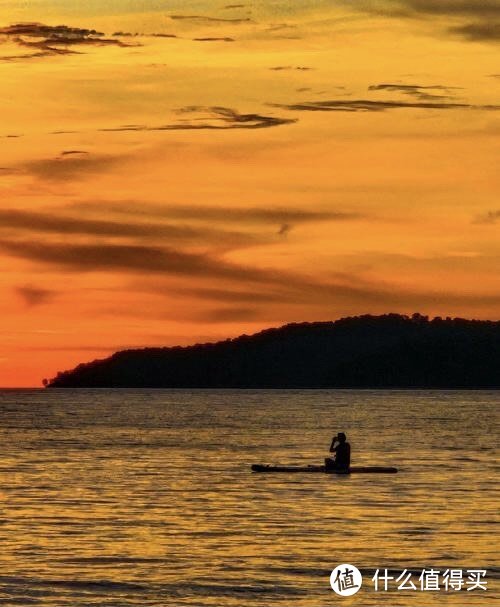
[
  {"x": 17, "y": 221},
  {"x": 34, "y": 296},
  {"x": 370, "y": 105},
  {"x": 418, "y": 91},
  {"x": 223, "y": 214},
  {"x": 479, "y": 19},
  {"x": 481, "y": 31},
  {"x": 211, "y": 118},
  {"x": 490, "y": 217},
  {"x": 46, "y": 40}
]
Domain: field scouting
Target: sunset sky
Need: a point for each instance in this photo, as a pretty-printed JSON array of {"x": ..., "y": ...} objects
[{"x": 174, "y": 172}]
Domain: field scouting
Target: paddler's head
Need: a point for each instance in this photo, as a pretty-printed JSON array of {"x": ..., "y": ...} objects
[{"x": 341, "y": 437}]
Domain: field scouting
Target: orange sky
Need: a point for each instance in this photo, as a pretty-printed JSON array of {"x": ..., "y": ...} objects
[{"x": 229, "y": 169}]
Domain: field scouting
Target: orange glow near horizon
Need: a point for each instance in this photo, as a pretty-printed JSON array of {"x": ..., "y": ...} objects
[{"x": 239, "y": 168}]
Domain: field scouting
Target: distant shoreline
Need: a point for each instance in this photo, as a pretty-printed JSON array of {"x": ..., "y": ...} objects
[{"x": 366, "y": 352}]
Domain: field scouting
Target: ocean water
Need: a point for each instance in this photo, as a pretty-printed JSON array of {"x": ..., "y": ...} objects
[{"x": 146, "y": 498}]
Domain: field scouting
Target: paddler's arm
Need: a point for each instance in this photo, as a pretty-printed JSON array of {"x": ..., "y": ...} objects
[{"x": 332, "y": 447}]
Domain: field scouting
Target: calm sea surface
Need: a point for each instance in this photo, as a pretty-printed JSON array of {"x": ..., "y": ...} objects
[{"x": 145, "y": 498}]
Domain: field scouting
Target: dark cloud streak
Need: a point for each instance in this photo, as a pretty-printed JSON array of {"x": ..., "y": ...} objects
[
  {"x": 301, "y": 68},
  {"x": 142, "y": 35},
  {"x": 47, "y": 40},
  {"x": 214, "y": 40},
  {"x": 477, "y": 32},
  {"x": 69, "y": 166},
  {"x": 163, "y": 261},
  {"x": 156, "y": 261},
  {"x": 229, "y": 314},
  {"x": 225, "y": 214},
  {"x": 420, "y": 8},
  {"x": 488, "y": 218},
  {"x": 222, "y": 118},
  {"x": 480, "y": 18},
  {"x": 414, "y": 90},
  {"x": 210, "y": 19},
  {"x": 34, "y": 296},
  {"x": 231, "y": 296},
  {"x": 369, "y": 105},
  {"x": 127, "y": 258},
  {"x": 63, "y": 225}
]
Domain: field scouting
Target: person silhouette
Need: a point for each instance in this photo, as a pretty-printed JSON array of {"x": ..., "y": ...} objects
[{"x": 342, "y": 450}]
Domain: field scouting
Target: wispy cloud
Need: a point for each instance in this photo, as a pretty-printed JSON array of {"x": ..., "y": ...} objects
[
  {"x": 126, "y": 258},
  {"x": 204, "y": 18},
  {"x": 190, "y": 118},
  {"x": 212, "y": 39},
  {"x": 34, "y": 296},
  {"x": 479, "y": 18},
  {"x": 64, "y": 225},
  {"x": 482, "y": 31},
  {"x": 230, "y": 295},
  {"x": 301, "y": 68},
  {"x": 46, "y": 40},
  {"x": 211, "y": 225},
  {"x": 418, "y": 91},
  {"x": 257, "y": 214},
  {"x": 488, "y": 218},
  {"x": 70, "y": 165},
  {"x": 73, "y": 152},
  {"x": 161, "y": 261},
  {"x": 229, "y": 314},
  {"x": 210, "y": 118},
  {"x": 370, "y": 105},
  {"x": 121, "y": 34},
  {"x": 290, "y": 287},
  {"x": 144, "y": 260},
  {"x": 225, "y": 214},
  {"x": 417, "y": 8}
]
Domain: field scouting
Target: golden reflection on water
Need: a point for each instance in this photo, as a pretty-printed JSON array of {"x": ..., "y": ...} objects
[{"x": 146, "y": 498}]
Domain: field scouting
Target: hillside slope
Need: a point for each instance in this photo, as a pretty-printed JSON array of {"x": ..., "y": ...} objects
[{"x": 390, "y": 351}]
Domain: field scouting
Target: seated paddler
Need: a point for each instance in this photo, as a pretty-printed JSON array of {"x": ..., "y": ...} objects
[{"x": 341, "y": 449}]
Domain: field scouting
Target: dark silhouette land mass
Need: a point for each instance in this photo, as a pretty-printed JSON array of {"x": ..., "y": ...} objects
[{"x": 389, "y": 351}]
